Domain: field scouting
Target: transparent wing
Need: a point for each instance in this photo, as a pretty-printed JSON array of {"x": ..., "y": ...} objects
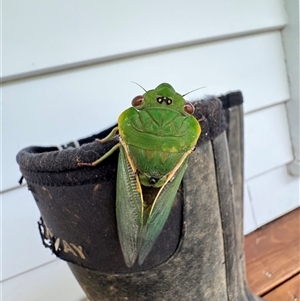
[
  {"x": 160, "y": 212},
  {"x": 128, "y": 209}
]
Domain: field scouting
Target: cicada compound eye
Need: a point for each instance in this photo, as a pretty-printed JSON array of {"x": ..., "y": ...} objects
[
  {"x": 189, "y": 108},
  {"x": 138, "y": 101}
]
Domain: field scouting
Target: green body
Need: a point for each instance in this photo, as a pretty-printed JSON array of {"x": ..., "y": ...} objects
[
  {"x": 157, "y": 138},
  {"x": 156, "y": 135}
]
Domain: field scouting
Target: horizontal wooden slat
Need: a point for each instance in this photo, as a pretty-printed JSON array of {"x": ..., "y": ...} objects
[
  {"x": 53, "y": 281},
  {"x": 273, "y": 194},
  {"x": 48, "y": 34},
  {"x": 22, "y": 247},
  {"x": 69, "y": 105},
  {"x": 289, "y": 291},
  {"x": 267, "y": 140},
  {"x": 272, "y": 253}
]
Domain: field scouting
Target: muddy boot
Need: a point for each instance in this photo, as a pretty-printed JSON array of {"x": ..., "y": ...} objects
[{"x": 198, "y": 255}]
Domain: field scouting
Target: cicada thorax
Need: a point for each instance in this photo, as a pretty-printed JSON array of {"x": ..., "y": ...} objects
[{"x": 156, "y": 140}]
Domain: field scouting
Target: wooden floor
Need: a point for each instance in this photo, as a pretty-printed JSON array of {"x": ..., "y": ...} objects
[{"x": 273, "y": 259}]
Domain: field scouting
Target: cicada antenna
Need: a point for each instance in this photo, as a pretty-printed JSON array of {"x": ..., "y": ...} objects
[
  {"x": 192, "y": 91},
  {"x": 139, "y": 86}
]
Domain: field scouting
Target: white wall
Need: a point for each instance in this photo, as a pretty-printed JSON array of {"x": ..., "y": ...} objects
[{"x": 66, "y": 73}]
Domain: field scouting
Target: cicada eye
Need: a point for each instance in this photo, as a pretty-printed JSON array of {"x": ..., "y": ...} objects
[
  {"x": 137, "y": 101},
  {"x": 189, "y": 108}
]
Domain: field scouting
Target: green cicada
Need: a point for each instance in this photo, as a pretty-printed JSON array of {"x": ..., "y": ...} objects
[{"x": 156, "y": 136}]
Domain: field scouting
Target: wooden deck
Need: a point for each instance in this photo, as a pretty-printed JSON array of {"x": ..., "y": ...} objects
[{"x": 273, "y": 259}]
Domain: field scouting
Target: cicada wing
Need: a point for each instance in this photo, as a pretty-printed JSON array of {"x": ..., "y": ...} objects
[
  {"x": 129, "y": 209},
  {"x": 161, "y": 209}
]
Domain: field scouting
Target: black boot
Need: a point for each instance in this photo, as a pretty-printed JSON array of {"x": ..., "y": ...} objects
[{"x": 198, "y": 255}]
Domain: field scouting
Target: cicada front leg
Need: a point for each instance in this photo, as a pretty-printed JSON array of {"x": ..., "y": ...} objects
[
  {"x": 106, "y": 155},
  {"x": 109, "y": 136}
]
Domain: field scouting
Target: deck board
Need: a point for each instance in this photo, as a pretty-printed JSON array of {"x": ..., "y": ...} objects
[
  {"x": 272, "y": 253},
  {"x": 288, "y": 291}
]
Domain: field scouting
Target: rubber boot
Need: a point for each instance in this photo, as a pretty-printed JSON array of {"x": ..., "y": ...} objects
[{"x": 199, "y": 254}]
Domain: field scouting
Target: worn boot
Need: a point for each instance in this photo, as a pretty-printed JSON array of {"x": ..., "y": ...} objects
[{"x": 198, "y": 255}]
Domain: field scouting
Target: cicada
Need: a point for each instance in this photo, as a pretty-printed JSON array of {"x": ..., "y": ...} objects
[{"x": 156, "y": 137}]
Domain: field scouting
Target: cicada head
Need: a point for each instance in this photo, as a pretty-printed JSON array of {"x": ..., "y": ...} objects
[{"x": 163, "y": 96}]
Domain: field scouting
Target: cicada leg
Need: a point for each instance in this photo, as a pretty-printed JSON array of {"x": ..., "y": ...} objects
[
  {"x": 109, "y": 136},
  {"x": 106, "y": 155}
]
